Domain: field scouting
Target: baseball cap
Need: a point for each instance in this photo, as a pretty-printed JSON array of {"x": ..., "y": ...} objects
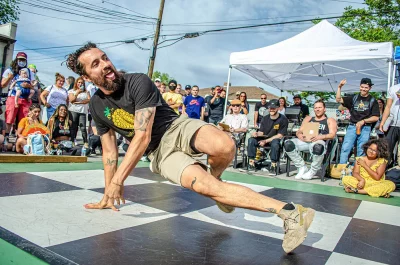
[
  {"x": 236, "y": 102},
  {"x": 273, "y": 103},
  {"x": 366, "y": 81},
  {"x": 172, "y": 82},
  {"x": 238, "y": 93},
  {"x": 157, "y": 80},
  {"x": 22, "y": 55},
  {"x": 33, "y": 66},
  {"x": 188, "y": 87},
  {"x": 297, "y": 96}
]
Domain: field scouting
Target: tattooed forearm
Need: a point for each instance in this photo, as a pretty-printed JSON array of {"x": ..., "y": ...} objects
[
  {"x": 194, "y": 181},
  {"x": 271, "y": 210},
  {"x": 142, "y": 118},
  {"x": 111, "y": 162}
]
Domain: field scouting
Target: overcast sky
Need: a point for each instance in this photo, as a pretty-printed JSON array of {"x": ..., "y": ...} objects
[{"x": 203, "y": 60}]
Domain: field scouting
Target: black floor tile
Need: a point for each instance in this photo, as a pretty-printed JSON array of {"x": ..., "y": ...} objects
[
  {"x": 181, "y": 240},
  {"x": 145, "y": 172},
  {"x": 166, "y": 197},
  {"x": 322, "y": 203},
  {"x": 13, "y": 184},
  {"x": 372, "y": 241}
]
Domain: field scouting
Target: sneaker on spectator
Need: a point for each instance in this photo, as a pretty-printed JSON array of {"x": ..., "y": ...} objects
[
  {"x": 264, "y": 169},
  {"x": 295, "y": 224},
  {"x": 309, "y": 175},
  {"x": 272, "y": 169},
  {"x": 301, "y": 171}
]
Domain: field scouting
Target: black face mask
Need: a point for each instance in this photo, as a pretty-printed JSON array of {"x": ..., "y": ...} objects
[{"x": 172, "y": 88}]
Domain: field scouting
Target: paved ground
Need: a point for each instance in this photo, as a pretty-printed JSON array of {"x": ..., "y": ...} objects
[{"x": 43, "y": 214}]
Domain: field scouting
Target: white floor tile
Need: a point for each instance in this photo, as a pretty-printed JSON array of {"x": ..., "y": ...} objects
[
  {"x": 378, "y": 212},
  {"x": 341, "y": 259},
  {"x": 53, "y": 218},
  {"x": 86, "y": 179},
  {"x": 324, "y": 233}
]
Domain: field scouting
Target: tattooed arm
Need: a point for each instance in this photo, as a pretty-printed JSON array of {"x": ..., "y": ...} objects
[
  {"x": 144, "y": 119},
  {"x": 110, "y": 155}
]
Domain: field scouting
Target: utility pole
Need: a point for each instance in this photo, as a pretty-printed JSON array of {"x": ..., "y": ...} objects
[{"x": 156, "y": 36}]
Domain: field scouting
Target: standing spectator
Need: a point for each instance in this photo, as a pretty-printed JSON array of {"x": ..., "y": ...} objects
[
  {"x": 173, "y": 99},
  {"x": 36, "y": 88},
  {"x": 244, "y": 109},
  {"x": 70, "y": 82},
  {"x": 272, "y": 128},
  {"x": 381, "y": 104},
  {"x": 163, "y": 88},
  {"x": 282, "y": 105},
  {"x": 304, "y": 110},
  {"x": 91, "y": 88},
  {"x": 54, "y": 95},
  {"x": 10, "y": 74},
  {"x": 260, "y": 110},
  {"x": 364, "y": 112},
  {"x": 223, "y": 94},
  {"x": 194, "y": 104},
  {"x": 79, "y": 99},
  {"x": 178, "y": 89},
  {"x": 2, "y": 132},
  {"x": 157, "y": 82},
  {"x": 188, "y": 92},
  {"x": 16, "y": 84},
  {"x": 216, "y": 105},
  {"x": 207, "y": 106},
  {"x": 237, "y": 95},
  {"x": 392, "y": 110}
]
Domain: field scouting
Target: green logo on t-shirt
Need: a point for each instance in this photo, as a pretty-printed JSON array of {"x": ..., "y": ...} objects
[{"x": 121, "y": 118}]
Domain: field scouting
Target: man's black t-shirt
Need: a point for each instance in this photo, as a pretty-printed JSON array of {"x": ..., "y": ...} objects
[
  {"x": 117, "y": 111},
  {"x": 262, "y": 110},
  {"x": 361, "y": 109},
  {"x": 216, "y": 109},
  {"x": 272, "y": 127},
  {"x": 304, "y": 110}
]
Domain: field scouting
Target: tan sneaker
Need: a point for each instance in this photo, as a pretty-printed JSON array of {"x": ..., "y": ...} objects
[
  {"x": 296, "y": 223},
  {"x": 225, "y": 207}
]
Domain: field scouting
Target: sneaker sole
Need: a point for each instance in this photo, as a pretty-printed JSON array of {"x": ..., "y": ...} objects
[
  {"x": 308, "y": 219},
  {"x": 225, "y": 208}
]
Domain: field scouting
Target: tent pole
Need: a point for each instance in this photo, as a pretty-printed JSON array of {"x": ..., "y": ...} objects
[
  {"x": 227, "y": 89},
  {"x": 394, "y": 74},
  {"x": 389, "y": 71}
]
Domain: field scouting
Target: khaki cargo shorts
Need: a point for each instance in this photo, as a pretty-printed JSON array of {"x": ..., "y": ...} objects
[{"x": 175, "y": 153}]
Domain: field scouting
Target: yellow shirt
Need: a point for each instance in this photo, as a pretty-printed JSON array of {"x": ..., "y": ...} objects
[{"x": 173, "y": 98}]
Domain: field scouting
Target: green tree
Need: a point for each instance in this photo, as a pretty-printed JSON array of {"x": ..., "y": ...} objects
[
  {"x": 163, "y": 76},
  {"x": 9, "y": 11},
  {"x": 310, "y": 97}
]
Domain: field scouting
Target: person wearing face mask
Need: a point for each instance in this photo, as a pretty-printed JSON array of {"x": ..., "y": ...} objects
[
  {"x": 54, "y": 95},
  {"x": 364, "y": 113},
  {"x": 11, "y": 74},
  {"x": 173, "y": 99},
  {"x": 79, "y": 99}
]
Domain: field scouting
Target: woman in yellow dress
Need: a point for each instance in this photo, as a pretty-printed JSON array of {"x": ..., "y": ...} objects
[{"x": 369, "y": 171}]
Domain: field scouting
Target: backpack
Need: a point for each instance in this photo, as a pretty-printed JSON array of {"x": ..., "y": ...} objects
[
  {"x": 36, "y": 145},
  {"x": 393, "y": 175}
]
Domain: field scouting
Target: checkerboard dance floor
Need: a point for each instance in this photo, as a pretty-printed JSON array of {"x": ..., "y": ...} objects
[{"x": 161, "y": 223}]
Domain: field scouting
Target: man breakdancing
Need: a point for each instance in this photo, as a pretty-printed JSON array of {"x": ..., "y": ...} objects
[{"x": 131, "y": 105}]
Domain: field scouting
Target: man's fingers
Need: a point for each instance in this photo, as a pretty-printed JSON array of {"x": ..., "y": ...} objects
[{"x": 92, "y": 206}]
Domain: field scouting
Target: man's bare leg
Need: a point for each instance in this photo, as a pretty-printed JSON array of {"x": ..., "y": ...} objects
[{"x": 219, "y": 147}]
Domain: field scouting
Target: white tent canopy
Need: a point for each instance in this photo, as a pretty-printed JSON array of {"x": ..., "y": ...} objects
[{"x": 316, "y": 60}]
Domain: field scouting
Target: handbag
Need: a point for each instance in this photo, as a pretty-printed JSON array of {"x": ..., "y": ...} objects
[{"x": 336, "y": 170}]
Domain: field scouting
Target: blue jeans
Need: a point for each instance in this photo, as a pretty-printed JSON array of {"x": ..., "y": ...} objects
[
  {"x": 50, "y": 112},
  {"x": 350, "y": 138}
]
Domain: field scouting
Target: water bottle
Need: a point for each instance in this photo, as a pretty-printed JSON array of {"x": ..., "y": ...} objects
[
  {"x": 83, "y": 152},
  {"x": 5, "y": 144}
]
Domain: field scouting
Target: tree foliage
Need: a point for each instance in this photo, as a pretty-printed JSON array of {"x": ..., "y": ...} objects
[
  {"x": 163, "y": 76},
  {"x": 9, "y": 11}
]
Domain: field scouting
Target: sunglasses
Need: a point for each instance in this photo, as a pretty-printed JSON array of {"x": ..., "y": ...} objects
[
  {"x": 235, "y": 105},
  {"x": 263, "y": 98}
]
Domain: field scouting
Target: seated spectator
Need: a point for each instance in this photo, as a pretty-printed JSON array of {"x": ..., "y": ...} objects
[
  {"x": 32, "y": 118},
  {"x": 237, "y": 122},
  {"x": 173, "y": 99},
  {"x": 316, "y": 146},
  {"x": 60, "y": 125},
  {"x": 54, "y": 95},
  {"x": 16, "y": 84},
  {"x": 272, "y": 129},
  {"x": 193, "y": 104},
  {"x": 369, "y": 171}
]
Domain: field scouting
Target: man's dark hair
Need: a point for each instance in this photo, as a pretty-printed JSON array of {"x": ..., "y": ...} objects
[
  {"x": 72, "y": 61},
  {"x": 320, "y": 101},
  {"x": 382, "y": 148}
]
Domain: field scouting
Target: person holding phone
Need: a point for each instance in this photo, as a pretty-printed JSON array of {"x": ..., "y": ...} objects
[
  {"x": 216, "y": 106},
  {"x": 79, "y": 99}
]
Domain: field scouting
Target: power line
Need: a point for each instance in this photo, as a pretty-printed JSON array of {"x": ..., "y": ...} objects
[
  {"x": 348, "y": 2},
  {"x": 128, "y": 9}
]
